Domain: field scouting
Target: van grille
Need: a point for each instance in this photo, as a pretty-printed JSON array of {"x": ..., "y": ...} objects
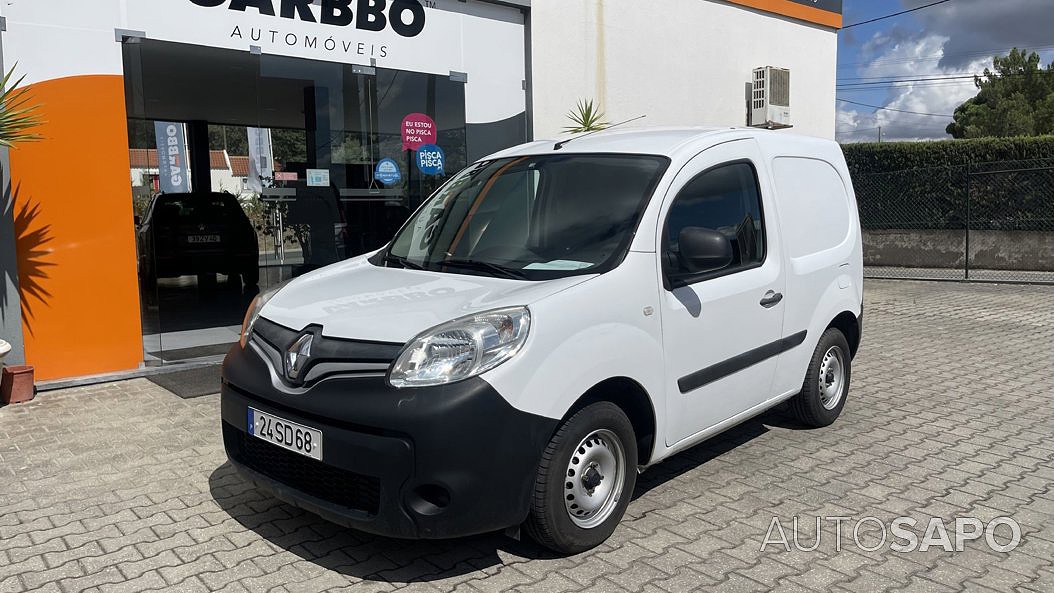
[{"x": 314, "y": 478}]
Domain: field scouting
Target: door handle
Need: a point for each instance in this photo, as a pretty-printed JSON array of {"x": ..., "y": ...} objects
[{"x": 771, "y": 299}]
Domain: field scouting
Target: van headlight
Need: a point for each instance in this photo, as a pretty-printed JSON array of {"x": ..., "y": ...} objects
[
  {"x": 253, "y": 312},
  {"x": 462, "y": 348}
]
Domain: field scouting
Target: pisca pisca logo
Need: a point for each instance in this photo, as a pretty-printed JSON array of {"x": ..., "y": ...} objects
[{"x": 405, "y": 17}]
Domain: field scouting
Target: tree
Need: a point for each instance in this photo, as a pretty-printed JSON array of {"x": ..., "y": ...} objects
[
  {"x": 1016, "y": 99},
  {"x": 289, "y": 145},
  {"x": 233, "y": 139}
]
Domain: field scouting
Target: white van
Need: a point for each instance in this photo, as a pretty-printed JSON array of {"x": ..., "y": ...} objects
[{"x": 553, "y": 320}]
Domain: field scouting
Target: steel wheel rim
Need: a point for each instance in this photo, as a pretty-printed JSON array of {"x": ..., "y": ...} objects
[
  {"x": 594, "y": 478},
  {"x": 832, "y": 378}
]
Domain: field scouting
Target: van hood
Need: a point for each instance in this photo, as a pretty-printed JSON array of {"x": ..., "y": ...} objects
[{"x": 360, "y": 301}]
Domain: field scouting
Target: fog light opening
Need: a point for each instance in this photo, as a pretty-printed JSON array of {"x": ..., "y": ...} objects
[{"x": 429, "y": 499}]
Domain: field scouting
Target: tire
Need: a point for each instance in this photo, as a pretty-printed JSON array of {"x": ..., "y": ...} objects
[
  {"x": 584, "y": 445},
  {"x": 207, "y": 280},
  {"x": 818, "y": 406},
  {"x": 251, "y": 277}
]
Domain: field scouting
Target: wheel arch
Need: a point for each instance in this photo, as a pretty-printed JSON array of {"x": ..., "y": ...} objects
[
  {"x": 848, "y": 323},
  {"x": 634, "y": 400}
]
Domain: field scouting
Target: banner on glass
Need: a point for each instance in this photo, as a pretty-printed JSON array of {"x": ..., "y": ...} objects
[
  {"x": 261, "y": 159},
  {"x": 172, "y": 166}
]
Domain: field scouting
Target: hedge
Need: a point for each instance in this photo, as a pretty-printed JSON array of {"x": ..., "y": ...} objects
[
  {"x": 897, "y": 156},
  {"x": 924, "y": 185}
]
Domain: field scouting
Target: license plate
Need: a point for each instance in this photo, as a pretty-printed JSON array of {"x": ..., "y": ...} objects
[
  {"x": 203, "y": 239},
  {"x": 288, "y": 435}
]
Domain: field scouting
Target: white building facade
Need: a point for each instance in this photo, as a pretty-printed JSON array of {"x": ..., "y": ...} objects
[{"x": 681, "y": 62}]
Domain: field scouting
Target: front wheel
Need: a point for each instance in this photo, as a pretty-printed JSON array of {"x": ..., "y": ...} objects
[
  {"x": 585, "y": 480},
  {"x": 826, "y": 384}
]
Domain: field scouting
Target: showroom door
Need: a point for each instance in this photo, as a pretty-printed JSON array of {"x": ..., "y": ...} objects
[
  {"x": 290, "y": 165},
  {"x": 346, "y": 172}
]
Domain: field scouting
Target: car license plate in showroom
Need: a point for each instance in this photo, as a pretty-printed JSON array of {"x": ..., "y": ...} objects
[
  {"x": 203, "y": 239},
  {"x": 286, "y": 434}
]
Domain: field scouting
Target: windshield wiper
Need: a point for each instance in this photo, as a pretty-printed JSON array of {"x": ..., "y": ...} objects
[
  {"x": 485, "y": 267},
  {"x": 402, "y": 262}
]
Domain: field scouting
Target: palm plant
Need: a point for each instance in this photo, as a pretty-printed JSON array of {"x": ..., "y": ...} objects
[
  {"x": 586, "y": 118},
  {"x": 17, "y": 115}
]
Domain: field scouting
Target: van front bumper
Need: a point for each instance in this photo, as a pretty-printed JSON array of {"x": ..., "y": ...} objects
[{"x": 432, "y": 462}]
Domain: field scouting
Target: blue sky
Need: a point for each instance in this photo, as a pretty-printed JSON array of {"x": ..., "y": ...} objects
[{"x": 957, "y": 38}]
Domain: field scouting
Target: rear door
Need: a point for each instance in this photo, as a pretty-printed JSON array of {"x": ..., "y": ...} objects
[{"x": 722, "y": 330}]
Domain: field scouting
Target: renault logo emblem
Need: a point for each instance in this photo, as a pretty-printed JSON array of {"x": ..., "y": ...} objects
[{"x": 297, "y": 357}]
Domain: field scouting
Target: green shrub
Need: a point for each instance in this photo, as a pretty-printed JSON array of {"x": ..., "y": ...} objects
[
  {"x": 868, "y": 158},
  {"x": 986, "y": 184}
]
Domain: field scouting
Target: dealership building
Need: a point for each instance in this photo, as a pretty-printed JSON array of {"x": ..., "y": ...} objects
[{"x": 117, "y": 253}]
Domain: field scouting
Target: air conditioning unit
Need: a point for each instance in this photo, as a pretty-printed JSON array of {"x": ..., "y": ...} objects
[{"x": 770, "y": 98}]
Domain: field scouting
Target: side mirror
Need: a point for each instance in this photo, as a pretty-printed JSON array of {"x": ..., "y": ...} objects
[{"x": 704, "y": 250}]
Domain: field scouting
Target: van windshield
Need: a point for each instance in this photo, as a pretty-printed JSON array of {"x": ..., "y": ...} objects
[{"x": 531, "y": 218}]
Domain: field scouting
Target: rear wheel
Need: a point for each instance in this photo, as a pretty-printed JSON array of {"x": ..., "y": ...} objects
[
  {"x": 207, "y": 280},
  {"x": 826, "y": 384},
  {"x": 251, "y": 276},
  {"x": 585, "y": 480}
]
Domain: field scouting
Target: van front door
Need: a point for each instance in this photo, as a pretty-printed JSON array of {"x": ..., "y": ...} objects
[{"x": 722, "y": 327}]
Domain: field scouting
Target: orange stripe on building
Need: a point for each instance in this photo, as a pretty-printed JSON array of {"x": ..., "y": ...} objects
[
  {"x": 796, "y": 11},
  {"x": 75, "y": 232}
]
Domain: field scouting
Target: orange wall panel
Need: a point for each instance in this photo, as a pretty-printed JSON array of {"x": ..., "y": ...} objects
[{"x": 75, "y": 232}]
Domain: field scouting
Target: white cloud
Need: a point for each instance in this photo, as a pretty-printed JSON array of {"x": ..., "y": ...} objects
[
  {"x": 893, "y": 56},
  {"x": 854, "y": 126}
]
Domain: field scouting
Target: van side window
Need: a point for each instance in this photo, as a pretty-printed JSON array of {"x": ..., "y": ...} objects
[{"x": 725, "y": 199}]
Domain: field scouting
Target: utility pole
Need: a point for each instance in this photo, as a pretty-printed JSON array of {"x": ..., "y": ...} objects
[{"x": 880, "y": 134}]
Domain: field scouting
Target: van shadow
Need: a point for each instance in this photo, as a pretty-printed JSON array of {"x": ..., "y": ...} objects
[
  {"x": 374, "y": 558},
  {"x": 713, "y": 448}
]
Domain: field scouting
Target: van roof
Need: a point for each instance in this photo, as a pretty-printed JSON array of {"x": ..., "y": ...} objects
[{"x": 656, "y": 141}]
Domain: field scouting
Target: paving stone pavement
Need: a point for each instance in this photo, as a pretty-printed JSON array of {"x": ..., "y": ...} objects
[{"x": 124, "y": 487}]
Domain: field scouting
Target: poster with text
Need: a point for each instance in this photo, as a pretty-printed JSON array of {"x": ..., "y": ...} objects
[{"x": 418, "y": 130}]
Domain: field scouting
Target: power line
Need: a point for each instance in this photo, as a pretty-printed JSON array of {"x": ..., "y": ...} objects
[
  {"x": 935, "y": 57},
  {"x": 949, "y": 85},
  {"x": 934, "y": 77},
  {"x": 894, "y": 80},
  {"x": 874, "y": 119},
  {"x": 932, "y": 81},
  {"x": 906, "y": 85},
  {"x": 888, "y": 76},
  {"x": 891, "y": 109},
  {"x": 889, "y": 16},
  {"x": 909, "y": 85},
  {"x": 857, "y": 131}
]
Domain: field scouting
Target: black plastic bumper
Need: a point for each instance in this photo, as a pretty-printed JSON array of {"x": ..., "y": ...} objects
[{"x": 432, "y": 462}]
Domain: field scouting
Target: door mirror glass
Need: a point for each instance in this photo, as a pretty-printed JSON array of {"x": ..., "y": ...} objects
[{"x": 703, "y": 250}]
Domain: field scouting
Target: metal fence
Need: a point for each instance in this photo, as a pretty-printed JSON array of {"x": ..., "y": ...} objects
[{"x": 990, "y": 222}]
